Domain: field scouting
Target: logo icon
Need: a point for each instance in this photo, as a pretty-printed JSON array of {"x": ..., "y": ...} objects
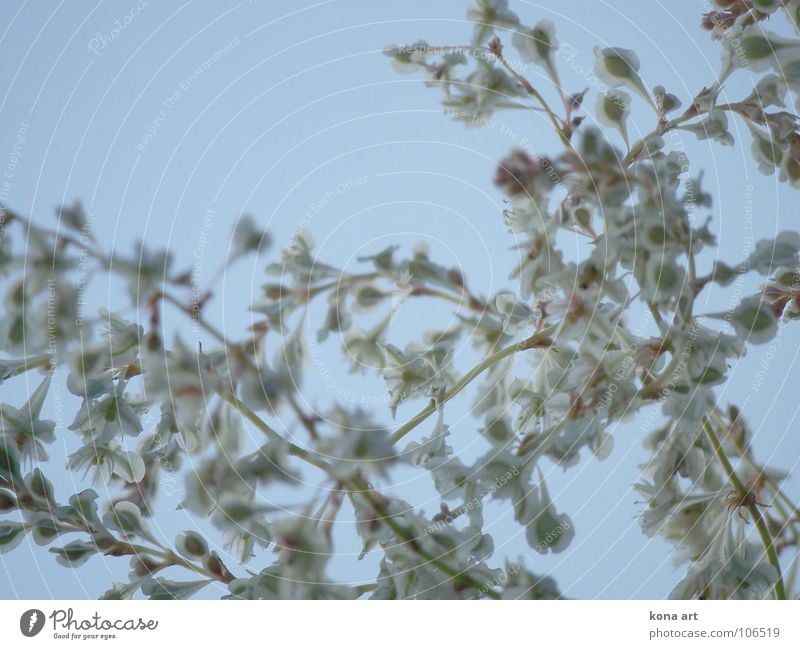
[{"x": 31, "y": 622}]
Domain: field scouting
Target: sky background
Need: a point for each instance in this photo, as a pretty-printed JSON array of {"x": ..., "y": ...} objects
[{"x": 302, "y": 104}]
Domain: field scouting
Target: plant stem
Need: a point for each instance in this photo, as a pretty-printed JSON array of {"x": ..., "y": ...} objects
[
  {"x": 540, "y": 339},
  {"x": 258, "y": 422},
  {"x": 556, "y": 122},
  {"x": 356, "y": 484},
  {"x": 31, "y": 363},
  {"x": 172, "y": 559},
  {"x": 360, "y": 486},
  {"x": 794, "y": 510},
  {"x": 670, "y": 125},
  {"x": 651, "y": 389},
  {"x": 655, "y": 312},
  {"x": 741, "y": 488}
]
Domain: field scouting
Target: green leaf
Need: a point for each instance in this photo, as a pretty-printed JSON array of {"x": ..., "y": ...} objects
[
  {"x": 191, "y": 545},
  {"x": 724, "y": 274},
  {"x": 7, "y": 501},
  {"x": 40, "y": 485},
  {"x": 9, "y": 464},
  {"x": 754, "y": 321},
  {"x": 369, "y": 296},
  {"x": 126, "y": 517},
  {"x": 128, "y": 465},
  {"x": 617, "y": 66},
  {"x": 75, "y": 553},
  {"x": 160, "y": 588},
  {"x": 11, "y": 535}
]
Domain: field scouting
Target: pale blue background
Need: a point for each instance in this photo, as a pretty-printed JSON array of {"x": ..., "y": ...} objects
[{"x": 305, "y": 101}]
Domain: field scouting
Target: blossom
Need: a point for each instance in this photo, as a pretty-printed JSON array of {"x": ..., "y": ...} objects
[
  {"x": 488, "y": 15},
  {"x": 665, "y": 101},
  {"x": 537, "y": 45},
  {"x": 712, "y": 127},
  {"x": 767, "y": 151},
  {"x": 187, "y": 379},
  {"x": 103, "y": 418},
  {"x": 516, "y": 313},
  {"x": 477, "y": 97},
  {"x": 769, "y": 91},
  {"x": 770, "y": 254},
  {"x": 790, "y": 164},
  {"x": 416, "y": 371},
  {"x": 754, "y": 321},
  {"x": 409, "y": 58},
  {"x": 107, "y": 460},
  {"x": 613, "y": 109},
  {"x": 121, "y": 335},
  {"x": 248, "y": 238},
  {"x": 358, "y": 444},
  {"x": 732, "y": 568},
  {"x": 364, "y": 348},
  {"x": 546, "y": 529},
  {"x": 24, "y": 426},
  {"x": 620, "y": 67},
  {"x": 756, "y": 49}
]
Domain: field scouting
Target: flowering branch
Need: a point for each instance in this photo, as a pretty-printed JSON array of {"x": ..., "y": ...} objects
[{"x": 748, "y": 501}]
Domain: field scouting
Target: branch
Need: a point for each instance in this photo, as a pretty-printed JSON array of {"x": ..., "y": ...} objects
[
  {"x": 540, "y": 339},
  {"x": 752, "y": 507}
]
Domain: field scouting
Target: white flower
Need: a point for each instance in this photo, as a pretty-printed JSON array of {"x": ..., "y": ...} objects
[
  {"x": 767, "y": 151},
  {"x": 24, "y": 427},
  {"x": 769, "y": 91},
  {"x": 790, "y": 165},
  {"x": 248, "y": 238},
  {"x": 769, "y": 254},
  {"x": 538, "y": 44},
  {"x": 767, "y": 6},
  {"x": 364, "y": 349},
  {"x": 756, "y": 49},
  {"x": 754, "y": 321},
  {"x": 488, "y": 14},
  {"x": 187, "y": 379},
  {"x": 713, "y": 127},
  {"x": 547, "y": 529},
  {"x": 108, "y": 460},
  {"x": 121, "y": 334},
  {"x": 415, "y": 372},
  {"x": 357, "y": 445},
  {"x": 110, "y": 415},
  {"x": 407, "y": 59},
  {"x": 483, "y": 91},
  {"x": 620, "y": 67},
  {"x": 516, "y": 313},
  {"x": 665, "y": 101},
  {"x": 613, "y": 108},
  {"x": 732, "y": 568}
]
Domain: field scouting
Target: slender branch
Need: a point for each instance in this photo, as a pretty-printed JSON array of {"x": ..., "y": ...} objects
[
  {"x": 540, "y": 339},
  {"x": 358, "y": 484},
  {"x": 554, "y": 120},
  {"x": 665, "y": 126},
  {"x": 650, "y": 390},
  {"x": 761, "y": 471},
  {"x": 258, "y": 422},
  {"x": 171, "y": 559},
  {"x": 377, "y": 502},
  {"x": 656, "y": 313},
  {"x": 31, "y": 363},
  {"x": 744, "y": 492}
]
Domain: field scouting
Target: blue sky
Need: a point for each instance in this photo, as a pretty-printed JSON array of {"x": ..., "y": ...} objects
[{"x": 302, "y": 121}]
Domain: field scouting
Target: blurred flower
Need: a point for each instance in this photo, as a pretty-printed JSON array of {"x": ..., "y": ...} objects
[{"x": 23, "y": 426}]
